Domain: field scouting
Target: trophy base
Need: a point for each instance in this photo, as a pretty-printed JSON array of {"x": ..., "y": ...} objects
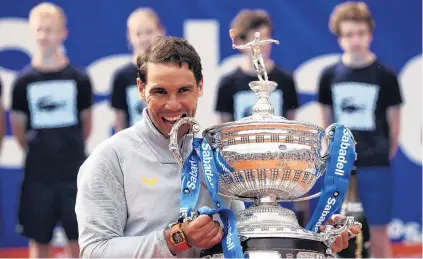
[
  {"x": 268, "y": 230},
  {"x": 274, "y": 247},
  {"x": 267, "y": 218}
]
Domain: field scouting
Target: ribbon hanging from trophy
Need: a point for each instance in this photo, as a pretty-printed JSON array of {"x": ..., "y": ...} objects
[
  {"x": 338, "y": 169},
  {"x": 190, "y": 180},
  {"x": 202, "y": 155}
]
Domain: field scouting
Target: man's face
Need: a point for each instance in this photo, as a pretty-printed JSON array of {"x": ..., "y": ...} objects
[
  {"x": 141, "y": 32},
  {"x": 48, "y": 32},
  {"x": 355, "y": 37},
  {"x": 171, "y": 92},
  {"x": 264, "y": 35}
]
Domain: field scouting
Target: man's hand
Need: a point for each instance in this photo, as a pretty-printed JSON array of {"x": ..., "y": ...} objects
[
  {"x": 342, "y": 241},
  {"x": 203, "y": 232}
]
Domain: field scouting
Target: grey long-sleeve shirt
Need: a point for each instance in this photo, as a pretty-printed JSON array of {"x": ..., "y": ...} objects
[{"x": 128, "y": 193}]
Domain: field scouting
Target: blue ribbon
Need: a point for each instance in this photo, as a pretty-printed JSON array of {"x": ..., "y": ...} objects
[
  {"x": 212, "y": 164},
  {"x": 190, "y": 180},
  {"x": 338, "y": 170}
]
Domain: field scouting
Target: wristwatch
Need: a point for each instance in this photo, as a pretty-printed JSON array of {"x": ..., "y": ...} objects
[{"x": 178, "y": 238}]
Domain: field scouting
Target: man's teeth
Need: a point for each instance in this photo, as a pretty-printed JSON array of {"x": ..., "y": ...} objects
[{"x": 173, "y": 118}]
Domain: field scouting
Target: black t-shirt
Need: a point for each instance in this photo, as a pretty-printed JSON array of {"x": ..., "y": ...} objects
[
  {"x": 125, "y": 94},
  {"x": 236, "y": 98},
  {"x": 360, "y": 99},
  {"x": 53, "y": 103}
]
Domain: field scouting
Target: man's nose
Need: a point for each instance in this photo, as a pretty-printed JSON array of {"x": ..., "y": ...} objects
[
  {"x": 173, "y": 104},
  {"x": 42, "y": 35}
]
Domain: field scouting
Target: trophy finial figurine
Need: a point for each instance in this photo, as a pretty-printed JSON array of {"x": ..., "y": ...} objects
[{"x": 257, "y": 58}]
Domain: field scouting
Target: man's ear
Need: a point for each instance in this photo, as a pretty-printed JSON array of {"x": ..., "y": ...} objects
[
  {"x": 141, "y": 89},
  {"x": 200, "y": 87},
  {"x": 65, "y": 34},
  {"x": 238, "y": 42},
  {"x": 128, "y": 39}
]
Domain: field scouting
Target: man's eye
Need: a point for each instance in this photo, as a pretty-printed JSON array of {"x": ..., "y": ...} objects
[
  {"x": 160, "y": 92},
  {"x": 183, "y": 90}
]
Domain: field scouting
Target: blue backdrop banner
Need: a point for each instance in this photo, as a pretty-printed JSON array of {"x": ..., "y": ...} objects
[{"x": 97, "y": 42}]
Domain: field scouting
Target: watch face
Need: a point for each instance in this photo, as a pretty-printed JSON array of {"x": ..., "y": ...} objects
[{"x": 177, "y": 237}]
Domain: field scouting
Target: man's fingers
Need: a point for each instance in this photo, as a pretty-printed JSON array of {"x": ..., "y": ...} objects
[
  {"x": 355, "y": 230},
  {"x": 335, "y": 248},
  {"x": 338, "y": 241},
  {"x": 334, "y": 219},
  {"x": 200, "y": 221},
  {"x": 208, "y": 227},
  {"x": 338, "y": 245},
  {"x": 344, "y": 239},
  {"x": 217, "y": 238},
  {"x": 213, "y": 232}
]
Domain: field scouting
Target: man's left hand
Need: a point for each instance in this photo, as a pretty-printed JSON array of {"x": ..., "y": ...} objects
[{"x": 342, "y": 241}]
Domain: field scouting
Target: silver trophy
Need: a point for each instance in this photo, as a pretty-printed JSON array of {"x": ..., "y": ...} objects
[{"x": 273, "y": 160}]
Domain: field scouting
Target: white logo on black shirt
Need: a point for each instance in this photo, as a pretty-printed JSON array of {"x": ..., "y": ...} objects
[
  {"x": 355, "y": 104},
  {"x": 52, "y": 104},
  {"x": 245, "y": 100}
]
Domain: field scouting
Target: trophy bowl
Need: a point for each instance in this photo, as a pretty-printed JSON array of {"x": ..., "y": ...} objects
[{"x": 271, "y": 157}]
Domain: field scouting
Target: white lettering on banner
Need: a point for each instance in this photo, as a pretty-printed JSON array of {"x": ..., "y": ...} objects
[
  {"x": 331, "y": 201},
  {"x": 207, "y": 46},
  {"x": 229, "y": 241},
  {"x": 14, "y": 41},
  {"x": 207, "y": 158},
  {"x": 102, "y": 70},
  {"x": 192, "y": 182},
  {"x": 411, "y": 132},
  {"x": 101, "y": 73},
  {"x": 308, "y": 73},
  {"x": 307, "y": 77},
  {"x": 410, "y": 232},
  {"x": 102, "y": 124},
  {"x": 342, "y": 153}
]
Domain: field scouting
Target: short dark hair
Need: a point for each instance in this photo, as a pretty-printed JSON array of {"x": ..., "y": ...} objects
[
  {"x": 166, "y": 49},
  {"x": 247, "y": 20}
]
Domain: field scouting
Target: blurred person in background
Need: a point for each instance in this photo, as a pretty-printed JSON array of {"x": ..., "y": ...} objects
[
  {"x": 2, "y": 117},
  {"x": 235, "y": 99},
  {"x": 143, "y": 25},
  {"x": 362, "y": 93},
  {"x": 51, "y": 119}
]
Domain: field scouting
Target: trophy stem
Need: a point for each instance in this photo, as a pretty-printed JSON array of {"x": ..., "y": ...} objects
[
  {"x": 268, "y": 200},
  {"x": 263, "y": 90}
]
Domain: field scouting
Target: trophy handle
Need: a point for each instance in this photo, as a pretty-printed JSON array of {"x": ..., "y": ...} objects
[
  {"x": 302, "y": 198},
  {"x": 329, "y": 133},
  {"x": 173, "y": 137},
  {"x": 331, "y": 233}
]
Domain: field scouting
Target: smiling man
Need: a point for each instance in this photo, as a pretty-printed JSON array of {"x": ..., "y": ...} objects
[{"x": 128, "y": 189}]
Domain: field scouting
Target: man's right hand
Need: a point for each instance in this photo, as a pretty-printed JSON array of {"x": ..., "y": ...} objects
[{"x": 203, "y": 232}]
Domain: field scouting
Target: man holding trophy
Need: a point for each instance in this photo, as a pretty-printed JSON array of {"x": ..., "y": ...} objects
[{"x": 135, "y": 201}]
